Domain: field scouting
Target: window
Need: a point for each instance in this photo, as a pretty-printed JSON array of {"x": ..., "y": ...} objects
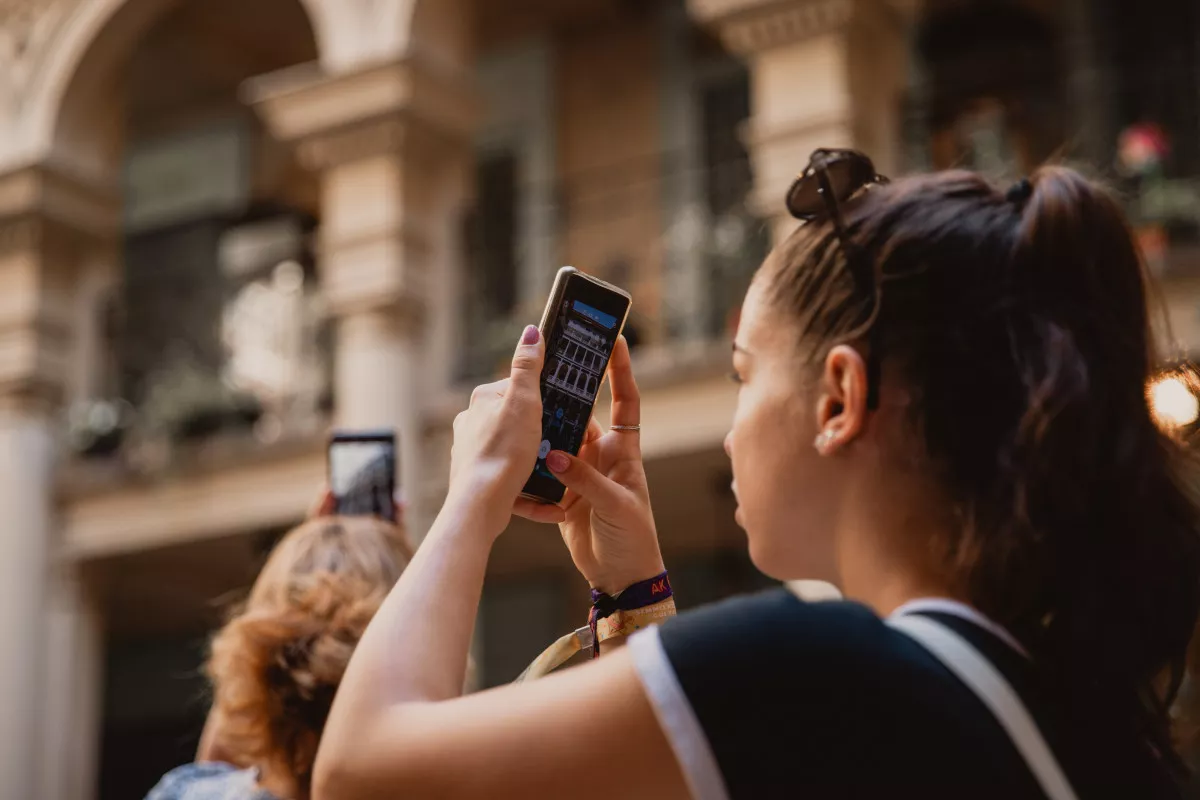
[
  {"x": 724, "y": 106},
  {"x": 737, "y": 242},
  {"x": 493, "y": 234}
]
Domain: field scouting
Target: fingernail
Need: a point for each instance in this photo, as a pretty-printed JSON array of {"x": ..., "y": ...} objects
[
  {"x": 557, "y": 462},
  {"x": 530, "y": 336}
]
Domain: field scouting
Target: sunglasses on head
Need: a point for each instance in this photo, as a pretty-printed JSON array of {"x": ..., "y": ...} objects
[{"x": 831, "y": 179}]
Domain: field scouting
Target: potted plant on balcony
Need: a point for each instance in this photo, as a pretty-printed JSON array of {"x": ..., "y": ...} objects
[
  {"x": 187, "y": 402},
  {"x": 96, "y": 428}
]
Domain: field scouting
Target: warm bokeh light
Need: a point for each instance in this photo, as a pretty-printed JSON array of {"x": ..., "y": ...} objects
[{"x": 1174, "y": 402}]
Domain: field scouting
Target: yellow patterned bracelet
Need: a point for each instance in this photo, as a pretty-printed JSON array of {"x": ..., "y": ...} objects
[{"x": 623, "y": 623}]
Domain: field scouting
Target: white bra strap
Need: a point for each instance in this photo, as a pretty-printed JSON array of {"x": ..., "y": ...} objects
[{"x": 990, "y": 686}]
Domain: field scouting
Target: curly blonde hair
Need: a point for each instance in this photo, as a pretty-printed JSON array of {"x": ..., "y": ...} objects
[{"x": 277, "y": 662}]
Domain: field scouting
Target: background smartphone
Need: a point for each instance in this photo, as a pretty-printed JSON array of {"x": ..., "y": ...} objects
[
  {"x": 362, "y": 473},
  {"x": 580, "y": 326}
]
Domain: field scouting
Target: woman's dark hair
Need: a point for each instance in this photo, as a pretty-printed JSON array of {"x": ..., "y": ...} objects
[{"x": 1020, "y": 324}]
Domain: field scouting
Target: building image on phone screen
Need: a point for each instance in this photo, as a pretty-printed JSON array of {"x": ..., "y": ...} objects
[{"x": 579, "y": 347}]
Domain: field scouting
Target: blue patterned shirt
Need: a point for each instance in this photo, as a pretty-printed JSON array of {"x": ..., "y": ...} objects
[{"x": 210, "y": 781}]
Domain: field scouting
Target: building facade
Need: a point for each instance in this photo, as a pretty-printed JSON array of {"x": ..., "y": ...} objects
[{"x": 226, "y": 227}]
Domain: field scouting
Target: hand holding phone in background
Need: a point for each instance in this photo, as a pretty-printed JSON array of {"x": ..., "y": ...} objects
[{"x": 362, "y": 474}]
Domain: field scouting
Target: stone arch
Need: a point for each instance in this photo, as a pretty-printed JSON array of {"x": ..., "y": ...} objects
[{"x": 62, "y": 108}]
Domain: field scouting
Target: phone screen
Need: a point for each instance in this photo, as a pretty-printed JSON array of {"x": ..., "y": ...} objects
[
  {"x": 362, "y": 475},
  {"x": 585, "y": 326}
]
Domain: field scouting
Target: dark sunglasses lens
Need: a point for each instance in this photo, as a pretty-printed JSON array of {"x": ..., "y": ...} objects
[
  {"x": 846, "y": 174},
  {"x": 804, "y": 199}
]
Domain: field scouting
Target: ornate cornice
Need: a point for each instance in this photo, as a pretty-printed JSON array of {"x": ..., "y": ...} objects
[{"x": 751, "y": 26}]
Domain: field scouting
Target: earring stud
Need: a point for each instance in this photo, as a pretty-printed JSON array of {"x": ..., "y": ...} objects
[{"x": 823, "y": 440}]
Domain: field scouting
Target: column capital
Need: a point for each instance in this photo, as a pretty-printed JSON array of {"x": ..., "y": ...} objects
[
  {"x": 35, "y": 318},
  {"x": 752, "y": 26},
  {"x": 406, "y": 105},
  {"x": 42, "y": 197},
  {"x": 416, "y": 141},
  {"x": 49, "y": 223}
]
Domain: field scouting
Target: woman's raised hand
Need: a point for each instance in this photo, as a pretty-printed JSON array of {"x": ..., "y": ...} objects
[
  {"x": 609, "y": 527},
  {"x": 496, "y": 442}
]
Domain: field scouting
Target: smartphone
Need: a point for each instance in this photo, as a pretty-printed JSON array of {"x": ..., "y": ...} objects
[
  {"x": 362, "y": 473},
  {"x": 580, "y": 326}
]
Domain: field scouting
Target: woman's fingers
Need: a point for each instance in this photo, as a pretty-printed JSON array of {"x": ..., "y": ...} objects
[
  {"x": 584, "y": 480},
  {"x": 594, "y": 432},
  {"x": 538, "y": 512},
  {"x": 524, "y": 380},
  {"x": 627, "y": 402}
]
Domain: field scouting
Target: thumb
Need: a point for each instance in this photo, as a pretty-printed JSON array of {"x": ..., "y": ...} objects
[
  {"x": 324, "y": 506},
  {"x": 527, "y": 361},
  {"x": 584, "y": 479}
]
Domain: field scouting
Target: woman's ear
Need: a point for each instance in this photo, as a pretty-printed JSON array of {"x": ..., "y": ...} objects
[{"x": 842, "y": 403}]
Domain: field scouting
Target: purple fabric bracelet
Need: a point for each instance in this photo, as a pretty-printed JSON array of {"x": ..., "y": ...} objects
[{"x": 639, "y": 595}]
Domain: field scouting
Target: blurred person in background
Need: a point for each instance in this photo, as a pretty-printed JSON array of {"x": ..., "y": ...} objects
[
  {"x": 942, "y": 410},
  {"x": 277, "y": 663}
]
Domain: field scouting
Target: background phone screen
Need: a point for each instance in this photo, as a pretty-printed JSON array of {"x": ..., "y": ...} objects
[
  {"x": 362, "y": 478},
  {"x": 578, "y": 347}
]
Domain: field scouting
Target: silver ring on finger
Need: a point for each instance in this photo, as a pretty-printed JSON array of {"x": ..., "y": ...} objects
[{"x": 625, "y": 428}]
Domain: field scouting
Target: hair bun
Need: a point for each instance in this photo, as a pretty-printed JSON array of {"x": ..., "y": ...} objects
[{"x": 1019, "y": 193}]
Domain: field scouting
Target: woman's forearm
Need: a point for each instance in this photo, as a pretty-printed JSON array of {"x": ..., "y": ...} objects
[{"x": 416, "y": 647}]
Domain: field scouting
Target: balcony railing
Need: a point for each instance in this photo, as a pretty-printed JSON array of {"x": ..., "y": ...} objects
[{"x": 688, "y": 275}]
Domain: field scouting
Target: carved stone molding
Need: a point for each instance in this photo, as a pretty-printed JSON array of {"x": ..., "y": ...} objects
[
  {"x": 81, "y": 210},
  {"x": 750, "y": 26},
  {"x": 19, "y": 234},
  {"x": 27, "y": 28},
  {"x": 419, "y": 144},
  {"x": 33, "y": 366},
  {"x": 57, "y": 248},
  {"x": 381, "y": 109},
  {"x": 381, "y": 271}
]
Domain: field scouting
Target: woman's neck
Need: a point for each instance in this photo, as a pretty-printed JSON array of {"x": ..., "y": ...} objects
[{"x": 886, "y": 557}]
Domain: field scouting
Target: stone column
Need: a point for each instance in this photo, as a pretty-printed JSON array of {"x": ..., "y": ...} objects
[
  {"x": 824, "y": 73},
  {"x": 26, "y": 473},
  {"x": 48, "y": 224},
  {"x": 390, "y": 145},
  {"x": 74, "y": 670}
]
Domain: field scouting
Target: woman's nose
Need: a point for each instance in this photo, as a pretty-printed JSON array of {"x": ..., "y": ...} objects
[{"x": 729, "y": 444}]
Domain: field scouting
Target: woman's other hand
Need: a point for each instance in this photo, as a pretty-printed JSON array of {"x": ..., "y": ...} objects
[
  {"x": 609, "y": 527},
  {"x": 496, "y": 442}
]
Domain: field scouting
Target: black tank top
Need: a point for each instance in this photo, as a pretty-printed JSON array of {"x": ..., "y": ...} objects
[{"x": 824, "y": 700}]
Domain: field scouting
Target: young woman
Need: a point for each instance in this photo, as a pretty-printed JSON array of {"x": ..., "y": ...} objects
[
  {"x": 276, "y": 664},
  {"x": 942, "y": 410}
]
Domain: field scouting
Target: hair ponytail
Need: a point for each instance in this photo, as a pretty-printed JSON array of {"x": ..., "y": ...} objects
[{"x": 1113, "y": 495}]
